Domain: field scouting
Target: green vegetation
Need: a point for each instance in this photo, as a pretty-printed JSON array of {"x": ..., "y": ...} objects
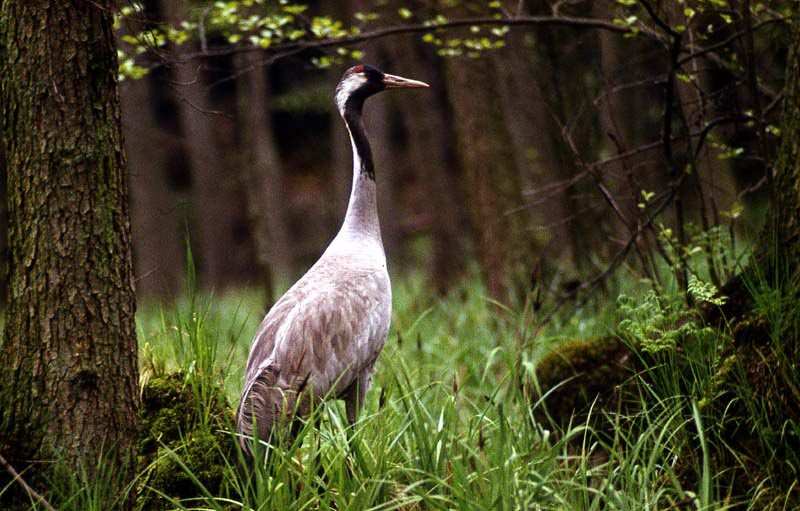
[{"x": 470, "y": 410}]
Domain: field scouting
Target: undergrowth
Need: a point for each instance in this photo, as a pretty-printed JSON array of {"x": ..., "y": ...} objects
[{"x": 458, "y": 419}]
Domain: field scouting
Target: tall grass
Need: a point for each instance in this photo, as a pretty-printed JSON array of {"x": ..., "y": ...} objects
[{"x": 449, "y": 423}]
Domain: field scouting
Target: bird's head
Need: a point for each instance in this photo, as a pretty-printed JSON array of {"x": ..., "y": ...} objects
[{"x": 362, "y": 81}]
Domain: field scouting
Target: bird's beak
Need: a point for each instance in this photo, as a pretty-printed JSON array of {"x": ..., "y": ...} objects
[{"x": 396, "y": 82}]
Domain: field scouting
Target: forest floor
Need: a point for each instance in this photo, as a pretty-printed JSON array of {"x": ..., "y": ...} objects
[{"x": 628, "y": 401}]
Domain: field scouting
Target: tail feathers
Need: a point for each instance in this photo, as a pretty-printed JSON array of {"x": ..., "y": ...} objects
[{"x": 267, "y": 404}]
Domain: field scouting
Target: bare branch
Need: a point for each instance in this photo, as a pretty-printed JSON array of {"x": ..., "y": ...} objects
[
  {"x": 30, "y": 491},
  {"x": 658, "y": 21},
  {"x": 201, "y": 28},
  {"x": 725, "y": 43}
]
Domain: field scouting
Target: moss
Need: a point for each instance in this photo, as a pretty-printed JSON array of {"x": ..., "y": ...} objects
[
  {"x": 181, "y": 442},
  {"x": 580, "y": 373},
  {"x": 199, "y": 452},
  {"x": 751, "y": 331}
]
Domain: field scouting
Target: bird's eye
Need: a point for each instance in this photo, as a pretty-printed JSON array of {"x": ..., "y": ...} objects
[{"x": 359, "y": 69}]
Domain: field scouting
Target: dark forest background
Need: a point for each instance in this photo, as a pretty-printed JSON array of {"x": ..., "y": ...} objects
[{"x": 546, "y": 158}]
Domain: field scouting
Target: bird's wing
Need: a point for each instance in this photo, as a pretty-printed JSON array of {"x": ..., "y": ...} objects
[
  {"x": 264, "y": 341},
  {"x": 325, "y": 333},
  {"x": 337, "y": 332}
]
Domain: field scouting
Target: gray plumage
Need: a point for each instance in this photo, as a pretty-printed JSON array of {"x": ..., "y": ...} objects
[{"x": 322, "y": 338}]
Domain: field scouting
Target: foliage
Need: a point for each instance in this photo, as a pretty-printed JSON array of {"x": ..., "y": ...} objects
[
  {"x": 656, "y": 323},
  {"x": 253, "y": 25}
]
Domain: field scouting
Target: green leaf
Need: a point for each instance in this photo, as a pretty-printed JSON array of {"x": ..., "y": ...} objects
[
  {"x": 500, "y": 31},
  {"x": 295, "y": 9}
]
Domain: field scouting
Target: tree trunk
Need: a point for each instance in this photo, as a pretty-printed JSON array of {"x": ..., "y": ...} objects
[
  {"x": 539, "y": 149},
  {"x": 69, "y": 387},
  {"x": 578, "y": 224},
  {"x": 776, "y": 255},
  {"x": 3, "y": 221},
  {"x": 263, "y": 178},
  {"x": 377, "y": 119},
  {"x": 784, "y": 222},
  {"x": 157, "y": 227},
  {"x": 622, "y": 129},
  {"x": 431, "y": 151},
  {"x": 492, "y": 181},
  {"x": 214, "y": 200}
]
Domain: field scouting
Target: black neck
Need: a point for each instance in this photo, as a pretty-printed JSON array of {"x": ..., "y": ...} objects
[{"x": 352, "y": 118}]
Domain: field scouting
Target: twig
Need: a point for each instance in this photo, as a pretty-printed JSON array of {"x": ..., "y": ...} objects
[
  {"x": 520, "y": 7},
  {"x": 674, "y": 49},
  {"x": 198, "y": 108},
  {"x": 658, "y": 21},
  {"x": 616, "y": 261},
  {"x": 728, "y": 40},
  {"x": 30, "y": 491},
  {"x": 201, "y": 28}
]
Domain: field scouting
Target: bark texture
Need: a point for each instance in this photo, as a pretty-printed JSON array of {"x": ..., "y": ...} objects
[{"x": 69, "y": 385}]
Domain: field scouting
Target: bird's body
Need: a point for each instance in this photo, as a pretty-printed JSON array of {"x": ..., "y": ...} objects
[{"x": 322, "y": 337}]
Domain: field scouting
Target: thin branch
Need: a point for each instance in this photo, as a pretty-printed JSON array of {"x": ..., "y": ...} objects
[
  {"x": 661, "y": 23},
  {"x": 713, "y": 124},
  {"x": 253, "y": 66},
  {"x": 727, "y": 41},
  {"x": 284, "y": 50},
  {"x": 201, "y": 29},
  {"x": 30, "y": 491},
  {"x": 520, "y": 8},
  {"x": 611, "y": 201},
  {"x": 776, "y": 102},
  {"x": 568, "y": 21},
  {"x": 198, "y": 107},
  {"x": 615, "y": 262}
]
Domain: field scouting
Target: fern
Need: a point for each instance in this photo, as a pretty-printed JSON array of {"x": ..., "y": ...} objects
[
  {"x": 658, "y": 323},
  {"x": 705, "y": 291}
]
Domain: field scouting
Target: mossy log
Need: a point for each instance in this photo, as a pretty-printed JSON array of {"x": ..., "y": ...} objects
[
  {"x": 181, "y": 440},
  {"x": 582, "y": 374}
]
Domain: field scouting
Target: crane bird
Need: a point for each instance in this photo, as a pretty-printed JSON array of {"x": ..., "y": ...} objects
[{"x": 322, "y": 337}]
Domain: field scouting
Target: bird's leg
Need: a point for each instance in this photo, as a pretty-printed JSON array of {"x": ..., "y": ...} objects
[
  {"x": 313, "y": 413},
  {"x": 354, "y": 401},
  {"x": 321, "y": 472},
  {"x": 354, "y": 397}
]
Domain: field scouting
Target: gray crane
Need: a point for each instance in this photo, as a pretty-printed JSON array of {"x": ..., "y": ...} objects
[{"x": 322, "y": 338}]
